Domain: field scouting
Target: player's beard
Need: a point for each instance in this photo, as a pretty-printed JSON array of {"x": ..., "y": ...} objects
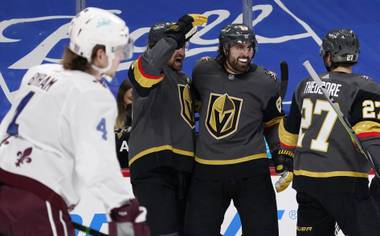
[{"x": 236, "y": 65}]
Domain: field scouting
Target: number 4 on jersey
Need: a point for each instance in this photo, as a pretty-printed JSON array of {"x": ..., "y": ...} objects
[
  {"x": 101, "y": 127},
  {"x": 13, "y": 126}
]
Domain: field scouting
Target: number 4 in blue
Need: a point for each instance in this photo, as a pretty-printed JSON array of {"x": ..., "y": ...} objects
[
  {"x": 13, "y": 126},
  {"x": 101, "y": 127}
]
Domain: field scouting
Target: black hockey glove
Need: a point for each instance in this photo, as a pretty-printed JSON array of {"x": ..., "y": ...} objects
[
  {"x": 129, "y": 219},
  {"x": 283, "y": 162},
  {"x": 179, "y": 31}
]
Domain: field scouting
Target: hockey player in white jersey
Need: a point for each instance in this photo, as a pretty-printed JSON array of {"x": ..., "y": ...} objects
[{"x": 57, "y": 139}]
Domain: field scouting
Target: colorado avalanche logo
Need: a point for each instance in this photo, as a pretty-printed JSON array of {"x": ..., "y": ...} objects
[{"x": 24, "y": 156}]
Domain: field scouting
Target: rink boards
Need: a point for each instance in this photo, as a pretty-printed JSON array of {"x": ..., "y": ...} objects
[{"x": 90, "y": 213}]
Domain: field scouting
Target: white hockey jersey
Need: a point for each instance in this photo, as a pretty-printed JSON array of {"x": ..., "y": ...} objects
[{"x": 61, "y": 125}]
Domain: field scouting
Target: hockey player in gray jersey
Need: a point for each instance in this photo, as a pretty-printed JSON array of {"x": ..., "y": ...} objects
[
  {"x": 240, "y": 105},
  {"x": 330, "y": 175},
  {"x": 162, "y": 141}
]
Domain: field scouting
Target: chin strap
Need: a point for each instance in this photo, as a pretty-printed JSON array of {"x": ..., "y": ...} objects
[{"x": 102, "y": 71}]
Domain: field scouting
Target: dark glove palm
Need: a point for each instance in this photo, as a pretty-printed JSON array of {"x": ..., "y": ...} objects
[
  {"x": 283, "y": 161},
  {"x": 179, "y": 30}
]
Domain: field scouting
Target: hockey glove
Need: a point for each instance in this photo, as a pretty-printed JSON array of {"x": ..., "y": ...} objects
[
  {"x": 129, "y": 220},
  {"x": 183, "y": 30},
  {"x": 283, "y": 162},
  {"x": 205, "y": 59}
]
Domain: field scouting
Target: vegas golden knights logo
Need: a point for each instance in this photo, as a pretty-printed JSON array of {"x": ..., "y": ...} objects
[
  {"x": 223, "y": 113},
  {"x": 186, "y": 104}
]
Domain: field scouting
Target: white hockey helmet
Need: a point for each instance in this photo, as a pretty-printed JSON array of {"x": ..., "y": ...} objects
[{"x": 94, "y": 26}]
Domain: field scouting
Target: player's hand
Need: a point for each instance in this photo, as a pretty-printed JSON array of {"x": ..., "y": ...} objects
[
  {"x": 129, "y": 220},
  {"x": 283, "y": 161},
  {"x": 199, "y": 19},
  {"x": 205, "y": 59},
  {"x": 185, "y": 28}
]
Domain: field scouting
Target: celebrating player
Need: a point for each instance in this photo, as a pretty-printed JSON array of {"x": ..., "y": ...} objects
[
  {"x": 240, "y": 106},
  {"x": 330, "y": 175},
  {"x": 161, "y": 140}
]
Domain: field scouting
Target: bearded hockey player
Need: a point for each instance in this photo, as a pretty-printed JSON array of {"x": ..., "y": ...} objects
[
  {"x": 162, "y": 139},
  {"x": 240, "y": 106}
]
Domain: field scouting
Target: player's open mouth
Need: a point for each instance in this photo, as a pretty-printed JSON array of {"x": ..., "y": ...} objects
[
  {"x": 179, "y": 60},
  {"x": 243, "y": 60}
]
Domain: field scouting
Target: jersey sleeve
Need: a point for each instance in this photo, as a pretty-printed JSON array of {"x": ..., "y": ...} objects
[
  {"x": 5, "y": 123},
  {"x": 194, "y": 86},
  {"x": 365, "y": 115},
  {"x": 91, "y": 126},
  {"x": 273, "y": 113},
  {"x": 147, "y": 71},
  {"x": 365, "y": 120},
  {"x": 289, "y": 127}
]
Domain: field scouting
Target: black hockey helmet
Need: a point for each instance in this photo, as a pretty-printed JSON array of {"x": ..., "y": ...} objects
[
  {"x": 236, "y": 33},
  {"x": 343, "y": 46},
  {"x": 157, "y": 32}
]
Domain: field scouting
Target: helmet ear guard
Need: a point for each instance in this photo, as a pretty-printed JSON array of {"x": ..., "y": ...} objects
[{"x": 127, "y": 50}]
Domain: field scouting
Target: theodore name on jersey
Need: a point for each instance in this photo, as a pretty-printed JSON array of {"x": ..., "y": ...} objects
[
  {"x": 41, "y": 80},
  {"x": 332, "y": 89}
]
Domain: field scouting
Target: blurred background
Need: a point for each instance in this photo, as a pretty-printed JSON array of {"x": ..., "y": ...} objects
[{"x": 35, "y": 32}]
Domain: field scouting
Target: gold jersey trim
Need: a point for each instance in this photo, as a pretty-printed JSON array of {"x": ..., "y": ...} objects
[
  {"x": 274, "y": 121},
  {"x": 286, "y": 137},
  {"x": 366, "y": 126},
  {"x": 331, "y": 174},
  {"x": 158, "y": 149},
  {"x": 233, "y": 161},
  {"x": 143, "y": 79}
]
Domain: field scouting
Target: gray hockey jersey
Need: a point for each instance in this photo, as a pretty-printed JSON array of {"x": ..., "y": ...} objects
[
  {"x": 163, "y": 119},
  {"x": 322, "y": 146},
  {"x": 237, "y": 111}
]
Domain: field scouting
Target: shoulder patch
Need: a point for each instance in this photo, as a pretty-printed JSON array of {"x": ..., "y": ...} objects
[{"x": 271, "y": 74}]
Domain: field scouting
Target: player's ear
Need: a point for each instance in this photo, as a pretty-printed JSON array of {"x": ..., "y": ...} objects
[
  {"x": 99, "y": 55},
  {"x": 328, "y": 58},
  {"x": 100, "y": 52}
]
